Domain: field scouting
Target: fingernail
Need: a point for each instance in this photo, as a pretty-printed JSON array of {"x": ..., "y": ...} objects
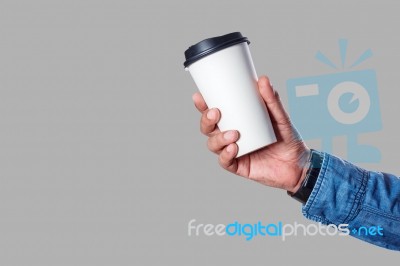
[
  {"x": 212, "y": 114},
  {"x": 230, "y": 135},
  {"x": 230, "y": 148}
]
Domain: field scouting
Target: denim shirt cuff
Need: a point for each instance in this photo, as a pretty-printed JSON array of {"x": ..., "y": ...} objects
[{"x": 338, "y": 193}]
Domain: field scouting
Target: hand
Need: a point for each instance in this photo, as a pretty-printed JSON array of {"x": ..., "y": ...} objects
[{"x": 280, "y": 165}]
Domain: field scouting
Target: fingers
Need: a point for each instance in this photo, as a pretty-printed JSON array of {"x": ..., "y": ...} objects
[
  {"x": 227, "y": 158},
  {"x": 208, "y": 121},
  {"x": 273, "y": 101},
  {"x": 218, "y": 142},
  {"x": 209, "y": 117},
  {"x": 199, "y": 102}
]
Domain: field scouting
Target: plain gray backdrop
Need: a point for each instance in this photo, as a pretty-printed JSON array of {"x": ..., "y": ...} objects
[{"x": 101, "y": 158}]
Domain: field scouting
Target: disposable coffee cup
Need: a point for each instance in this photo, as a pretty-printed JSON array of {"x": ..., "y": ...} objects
[{"x": 223, "y": 71}]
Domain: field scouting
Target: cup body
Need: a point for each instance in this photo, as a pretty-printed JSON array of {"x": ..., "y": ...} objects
[{"x": 227, "y": 80}]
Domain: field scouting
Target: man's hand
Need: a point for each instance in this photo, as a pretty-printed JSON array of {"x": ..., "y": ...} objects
[{"x": 280, "y": 165}]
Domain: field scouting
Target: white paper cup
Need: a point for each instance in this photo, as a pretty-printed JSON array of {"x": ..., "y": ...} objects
[{"x": 223, "y": 71}]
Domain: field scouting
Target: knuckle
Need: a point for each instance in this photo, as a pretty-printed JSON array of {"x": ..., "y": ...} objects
[
  {"x": 211, "y": 144},
  {"x": 285, "y": 121},
  {"x": 214, "y": 143},
  {"x": 203, "y": 125},
  {"x": 220, "y": 139},
  {"x": 206, "y": 126},
  {"x": 223, "y": 159}
]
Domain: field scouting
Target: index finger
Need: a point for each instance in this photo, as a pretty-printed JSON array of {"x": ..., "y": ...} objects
[{"x": 199, "y": 102}]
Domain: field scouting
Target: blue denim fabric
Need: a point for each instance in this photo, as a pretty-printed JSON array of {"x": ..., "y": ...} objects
[{"x": 347, "y": 194}]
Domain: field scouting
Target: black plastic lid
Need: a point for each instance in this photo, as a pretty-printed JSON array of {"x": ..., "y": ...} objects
[{"x": 212, "y": 45}]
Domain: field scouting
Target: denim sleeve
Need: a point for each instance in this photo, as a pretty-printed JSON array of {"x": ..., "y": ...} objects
[{"x": 347, "y": 194}]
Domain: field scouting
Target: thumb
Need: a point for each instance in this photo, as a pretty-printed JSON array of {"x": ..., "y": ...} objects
[{"x": 273, "y": 102}]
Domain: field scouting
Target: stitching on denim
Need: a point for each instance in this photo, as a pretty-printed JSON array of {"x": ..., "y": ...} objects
[
  {"x": 359, "y": 196},
  {"x": 379, "y": 212},
  {"x": 318, "y": 219}
]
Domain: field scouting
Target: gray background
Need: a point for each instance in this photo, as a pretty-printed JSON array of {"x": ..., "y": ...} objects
[{"x": 101, "y": 159}]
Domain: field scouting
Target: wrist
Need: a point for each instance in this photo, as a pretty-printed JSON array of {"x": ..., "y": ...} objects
[
  {"x": 301, "y": 179},
  {"x": 303, "y": 192},
  {"x": 304, "y": 165}
]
